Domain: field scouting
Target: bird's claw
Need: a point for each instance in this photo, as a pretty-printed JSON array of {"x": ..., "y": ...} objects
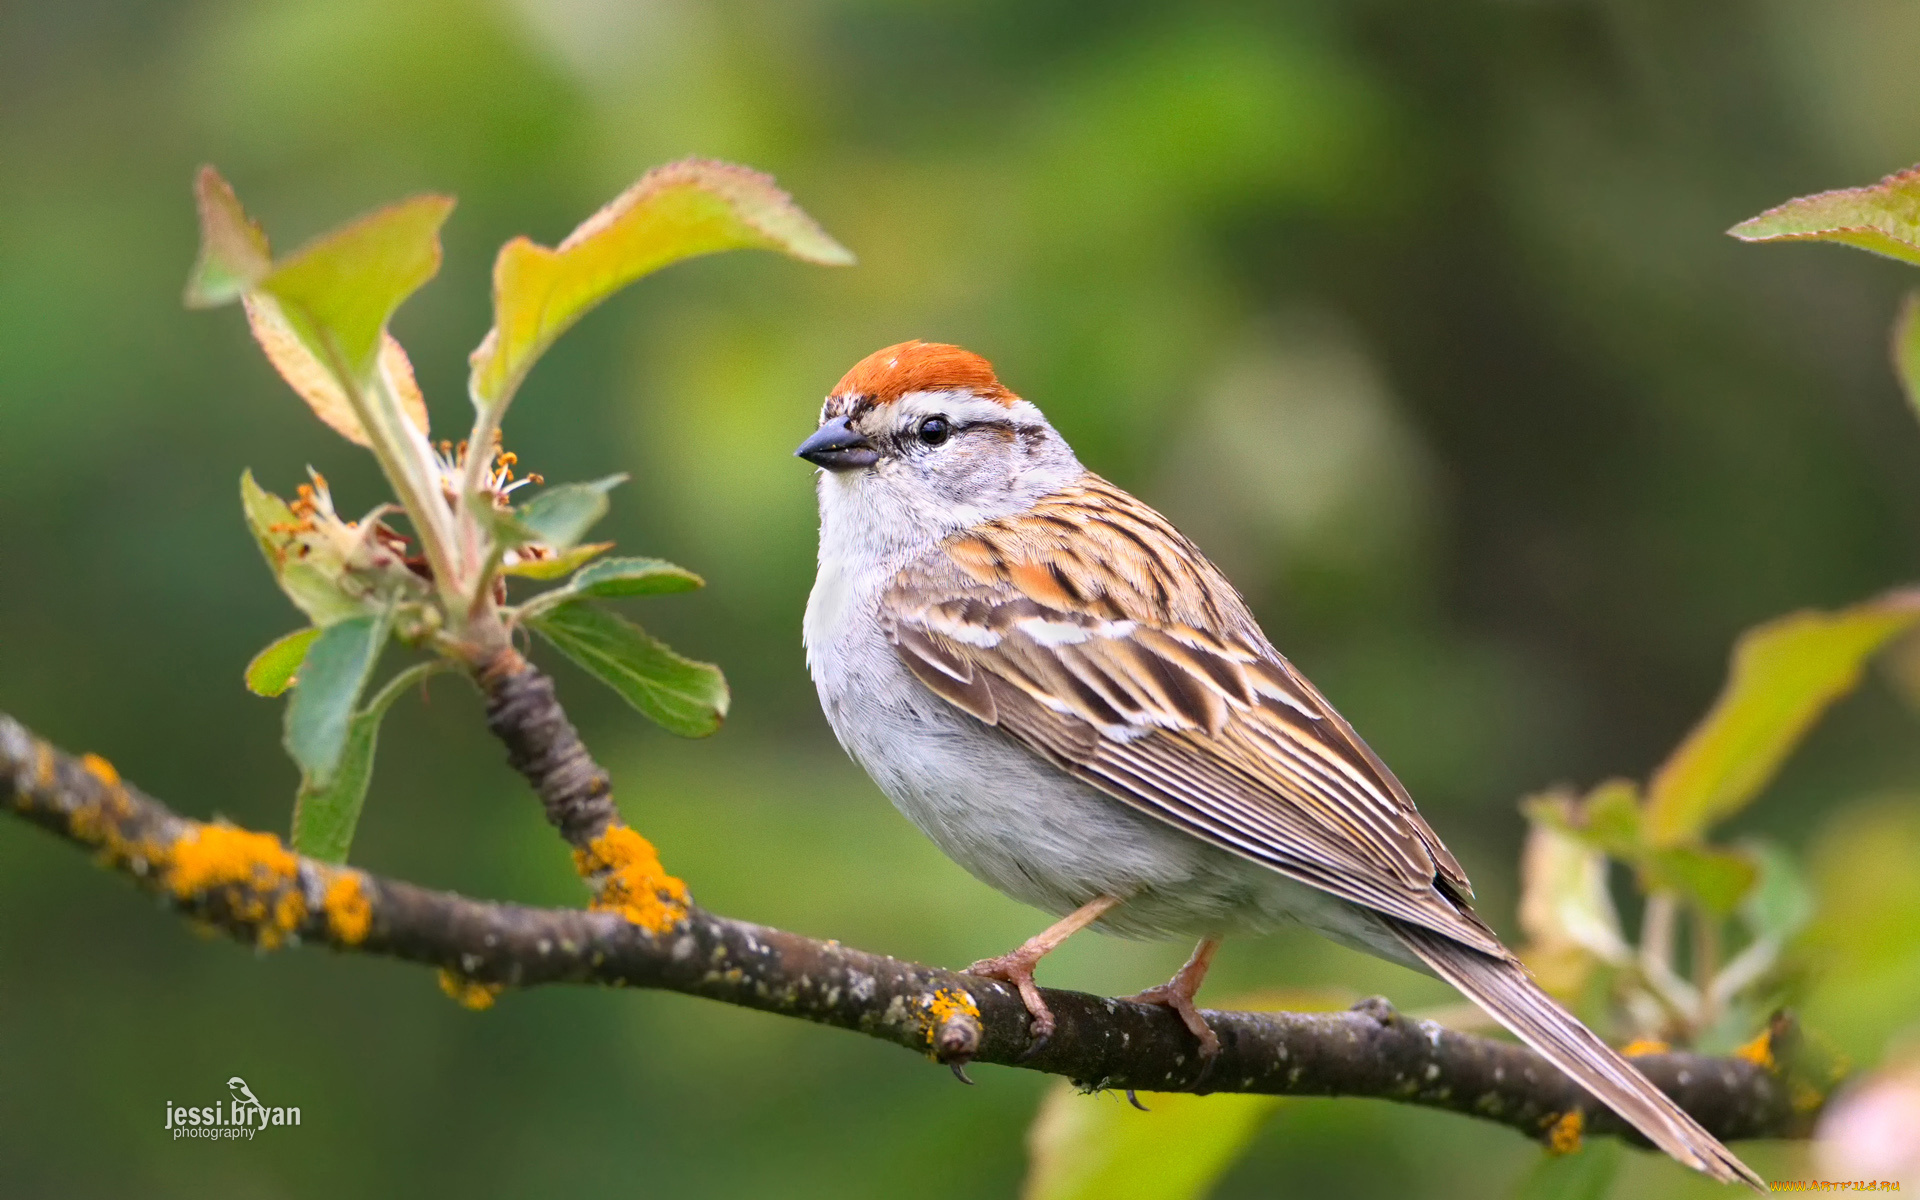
[
  {"x": 960, "y": 1072},
  {"x": 1171, "y": 995},
  {"x": 1017, "y": 969}
]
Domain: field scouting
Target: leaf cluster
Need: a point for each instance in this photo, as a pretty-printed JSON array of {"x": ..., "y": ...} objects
[{"x": 429, "y": 567}]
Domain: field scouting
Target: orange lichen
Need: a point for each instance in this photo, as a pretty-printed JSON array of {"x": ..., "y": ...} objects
[
  {"x": 349, "y": 912},
  {"x": 100, "y": 769},
  {"x": 1644, "y": 1045},
  {"x": 259, "y": 875},
  {"x": 1759, "y": 1051},
  {"x": 468, "y": 993},
  {"x": 1563, "y": 1137},
  {"x": 97, "y": 821},
  {"x": 943, "y": 1006},
  {"x": 630, "y": 879}
]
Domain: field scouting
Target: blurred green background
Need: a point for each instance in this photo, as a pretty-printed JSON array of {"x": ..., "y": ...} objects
[{"x": 1419, "y": 318}]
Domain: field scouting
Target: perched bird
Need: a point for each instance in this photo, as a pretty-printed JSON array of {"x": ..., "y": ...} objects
[
  {"x": 1077, "y": 707},
  {"x": 242, "y": 1094}
]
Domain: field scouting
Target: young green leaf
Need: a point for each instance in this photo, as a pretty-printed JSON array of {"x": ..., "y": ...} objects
[
  {"x": 1565, "y": 907},
  {"x": 560, "y": 565},
  {"x": 616, "y": 577},
  {"x": 1784, "y": 675},
  {"x": 1099, "y": 1147},
  {"x": 1717, "y": 880},
  {"x": 1882, "y": 217},
  {"x": 338, "y": 664},
  {"x": 311, "y": 580},
  {"x": 1906, "y": 348},
  {"x": 1781, "y": 903},
  {"x": 689, "y": 698},
  {"x": 325, "y": 814},
  {"x": 234, "y": 255},
  {"x": 561, "y": 515},
  {"x": 272, "y": 670},
  {"x": 315, "y": 383},
  {"x": 674, "y": 212},
  {"x": 634, "y": 577},
  {"x": 1611, "y": 814},
  {"x": 338, "y": 292}
]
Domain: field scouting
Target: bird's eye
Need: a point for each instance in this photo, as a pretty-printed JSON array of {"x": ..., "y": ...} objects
[{"x": 933, "y": 431}]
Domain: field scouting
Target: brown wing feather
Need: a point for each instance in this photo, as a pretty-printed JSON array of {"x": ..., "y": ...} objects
[{"x": 1092, "y": 631}]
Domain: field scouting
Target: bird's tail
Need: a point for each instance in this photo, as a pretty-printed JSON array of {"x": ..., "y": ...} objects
[{"x": 1507, "y": 992}]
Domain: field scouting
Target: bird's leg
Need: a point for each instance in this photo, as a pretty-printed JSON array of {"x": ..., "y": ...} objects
[
  {"x": 1178, "y": 993},
  {"x": 1016, "y": 967}
]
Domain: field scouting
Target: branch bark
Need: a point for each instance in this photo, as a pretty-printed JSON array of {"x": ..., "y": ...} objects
[{"x": 251, "y": 886}]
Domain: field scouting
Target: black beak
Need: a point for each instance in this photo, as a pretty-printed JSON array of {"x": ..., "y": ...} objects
[{"x": 837, "y": 448}]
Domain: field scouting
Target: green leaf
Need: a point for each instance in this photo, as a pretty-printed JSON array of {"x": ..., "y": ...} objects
[
  {"x": 1564, "y": 902},
  {"x": 234, "y": 255},
  {"x": 1781, "y": 902},
  {"x": 674, "y": 212},
  {"x": 272, "y": 670},
  {"x": 326, "y": 814},
  {"x": 1612, "y": 818},
  {"x": 338, "y": 292},
  {"x": 1586, "y": 1174},
  {"x": 1099, "y": 1147},
  {"x": 560, "y": 565},
  {"x": 689, "y": 698},
  {"x": 634, "y": 577},
  {"x": 1906, "y": 348},
  {"x": 1784, "y": 675},
  {"x": 312, "y": 580},
  {"x": 1883, "y": 217},
  {"x": 336, "y": 671},
  {"x": 1718, "y": 880},
  {"x": 561, "y": 515},
  {"x": 616, "y": 577},
  {"x": 316, "y": 382}
]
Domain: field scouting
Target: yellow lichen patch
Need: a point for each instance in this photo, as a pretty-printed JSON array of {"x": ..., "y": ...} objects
[
  {"x": 96, "y": 822},
  {"x": 946, "y": 1004},
  {"x": 631, "y": 880},
  {"x": 259, "y": 875},
  {"x": 100, "y": 769},
  {"x": 289, "y": 910},
  {"x": 349, "y": 912},
  {"x": 1639, "y": 1046},
  {"x": 1563, "y": 1137},
  {"x": 468, "y": 993},
  {"x": 1759, "y": 1051}
]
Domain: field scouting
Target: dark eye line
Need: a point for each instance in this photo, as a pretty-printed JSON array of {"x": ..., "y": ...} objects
[{"x": 910, "y": 437}]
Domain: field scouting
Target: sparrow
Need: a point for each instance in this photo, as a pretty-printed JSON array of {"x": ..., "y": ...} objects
[{"x": 1076, "y": 706}]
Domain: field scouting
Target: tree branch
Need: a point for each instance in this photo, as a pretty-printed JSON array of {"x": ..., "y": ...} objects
[{"x": 251, "y": 886}]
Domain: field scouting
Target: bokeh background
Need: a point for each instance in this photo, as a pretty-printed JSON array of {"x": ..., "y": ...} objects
[{"x": 1418, "y": 317}]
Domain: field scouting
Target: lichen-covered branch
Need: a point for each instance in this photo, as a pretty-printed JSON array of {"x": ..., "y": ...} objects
[{"x": 254, "y": 888}]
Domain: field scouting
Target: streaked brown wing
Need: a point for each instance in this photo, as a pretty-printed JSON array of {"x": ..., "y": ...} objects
[{"x": 1093, "y": 632}]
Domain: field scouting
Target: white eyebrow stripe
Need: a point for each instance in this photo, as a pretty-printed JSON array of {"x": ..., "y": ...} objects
[{"x": 961, "y": 407}]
